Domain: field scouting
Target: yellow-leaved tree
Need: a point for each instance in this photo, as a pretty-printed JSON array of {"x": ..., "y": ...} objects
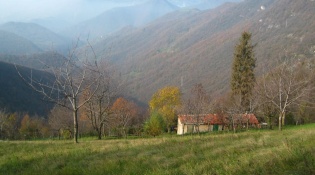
[{"x": 165, "y": 101}]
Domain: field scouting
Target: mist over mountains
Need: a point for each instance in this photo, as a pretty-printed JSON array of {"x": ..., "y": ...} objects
[
  {"x": 42, "y": 37},
  {"x": 120, "y": 17},
  {"x": 59, "y": 15},
  {"x": 152, "y": 44}
]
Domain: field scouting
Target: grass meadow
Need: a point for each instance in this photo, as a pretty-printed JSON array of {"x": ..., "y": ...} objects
[{"x": 291, "y": 151}]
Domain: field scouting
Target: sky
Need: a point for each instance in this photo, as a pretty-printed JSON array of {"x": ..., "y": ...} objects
[{"x": 69, "y": 10}]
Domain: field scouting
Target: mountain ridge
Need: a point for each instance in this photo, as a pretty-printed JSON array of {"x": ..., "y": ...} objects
[
  {"x": 39, "y": 35},
  {"x": 120, "y": 17},
  {"x": 14, "y": 44}
]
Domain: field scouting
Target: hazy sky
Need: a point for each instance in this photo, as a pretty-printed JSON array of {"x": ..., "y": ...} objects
[
  {"x": 24, "y": 10},
  {"x": 67, "y": 11}
]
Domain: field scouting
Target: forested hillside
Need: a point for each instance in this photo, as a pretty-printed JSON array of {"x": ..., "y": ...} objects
[
  {"x": 188, "y": 46},
  {"x": 200, "y": 4},
  {"x": 38, "y": 61},
  {"x": 16, "y": 95}
]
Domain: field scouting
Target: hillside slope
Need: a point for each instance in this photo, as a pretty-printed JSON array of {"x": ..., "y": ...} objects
[
  {"x": 189, "y": 47},
  {"x": 16, "y": 95},
  {"x": 38, "y": 61},
  {"x": 200, "y": 4}
]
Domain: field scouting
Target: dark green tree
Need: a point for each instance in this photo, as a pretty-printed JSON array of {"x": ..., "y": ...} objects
[{"x": 243, "y": 76}]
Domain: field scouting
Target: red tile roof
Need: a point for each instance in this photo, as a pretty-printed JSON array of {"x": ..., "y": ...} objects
[
  {"x": 249, "y": 117},
  {"x": 213, "y": 119}
]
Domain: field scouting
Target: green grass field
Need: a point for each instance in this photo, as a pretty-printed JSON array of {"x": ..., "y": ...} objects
[{"x": 291, "y": 151}]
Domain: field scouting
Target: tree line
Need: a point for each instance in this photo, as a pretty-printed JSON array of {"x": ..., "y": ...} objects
[
  {"x": 86, "y": 95},
  {"x": 125, "y": 119}
]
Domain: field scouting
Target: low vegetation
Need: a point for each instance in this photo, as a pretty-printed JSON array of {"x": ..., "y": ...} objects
[{"x": 253, "y": 152}]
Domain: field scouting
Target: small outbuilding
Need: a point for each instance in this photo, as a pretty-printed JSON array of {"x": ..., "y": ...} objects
[{"x": 203, "y": 123}]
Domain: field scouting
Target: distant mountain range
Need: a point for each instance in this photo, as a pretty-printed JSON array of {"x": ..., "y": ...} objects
[
  {"x": 42, "y": 37},
  {"x": 11, "y": 43},
  {"x": 120, "y": 17}
]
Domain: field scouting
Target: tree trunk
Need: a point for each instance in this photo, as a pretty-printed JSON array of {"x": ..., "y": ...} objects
[
  {"x": 283, "y": 119},
  {"x": 233, "y": 125},
  {"x": 124, "y": 132},
  {"x": 270, "y": 124},
  {"x": 280, "y": 121},
  {"x": 99, "y": 132},
  {"x": 59, "y": 133},
  {"x": 76, "y": 126}
]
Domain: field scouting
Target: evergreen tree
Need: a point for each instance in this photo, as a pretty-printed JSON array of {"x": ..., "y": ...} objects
[{"x": 243, "y": 76}]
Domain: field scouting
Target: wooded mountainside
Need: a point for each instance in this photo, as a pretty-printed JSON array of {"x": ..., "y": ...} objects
[
  {"x": 16, "y": 95},
  {"x": 188, "y": 46}
]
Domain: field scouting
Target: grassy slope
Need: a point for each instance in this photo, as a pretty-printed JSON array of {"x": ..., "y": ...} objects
[{"x": 263, "y": 152}]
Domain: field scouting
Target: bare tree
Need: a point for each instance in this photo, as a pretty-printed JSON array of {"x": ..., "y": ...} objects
[
  {"x": 97, "y": 109},
  {"x": 269, "y": 111},
  {"x": 284, "y": 87},
  {"x": 230, "y": 110},
  {"x": 199, "y": 102},
  {"x": 123, "y": 112},
  {"x": 60, "y": 119},
  {"x": 69, "y": 82}
]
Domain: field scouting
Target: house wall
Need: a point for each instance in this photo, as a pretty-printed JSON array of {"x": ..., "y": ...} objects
[
  {"x": 180, "y": 128},
  {"x": 189, "y": 128},
  {"x": 205, "y": 128},
  {"x": 211, "y": 128}
]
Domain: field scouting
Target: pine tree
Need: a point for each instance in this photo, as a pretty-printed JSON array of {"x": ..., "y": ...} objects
[{"x": 243, "y": 76}]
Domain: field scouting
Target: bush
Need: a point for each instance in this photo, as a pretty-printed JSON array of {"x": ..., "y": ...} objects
[{"x": 155, "y": 124}]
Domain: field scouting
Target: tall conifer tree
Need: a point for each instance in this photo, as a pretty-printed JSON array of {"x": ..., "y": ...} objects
[{"x": 243, "y": 76}]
